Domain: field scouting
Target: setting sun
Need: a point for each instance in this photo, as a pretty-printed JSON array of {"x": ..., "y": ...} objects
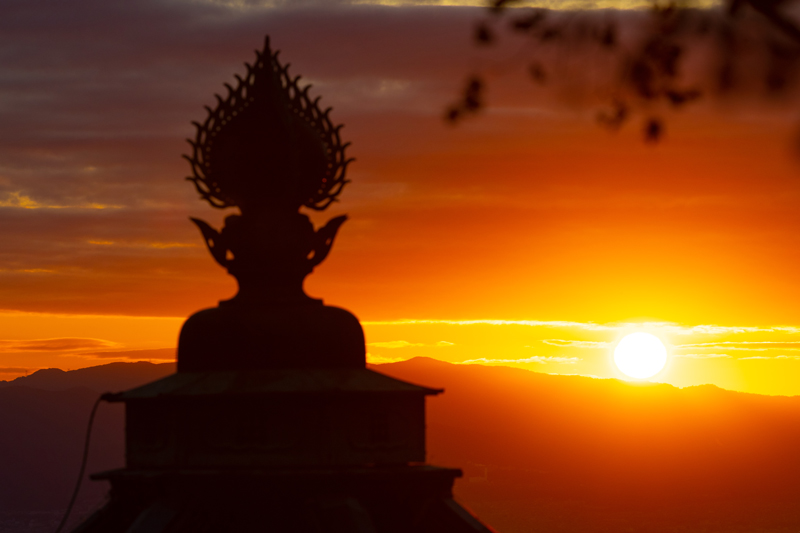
[{"x": 640, "y": 355}]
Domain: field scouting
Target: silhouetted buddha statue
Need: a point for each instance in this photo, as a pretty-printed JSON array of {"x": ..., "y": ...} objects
[
  {"x": 269, "y": 150},
  {"x": 272, "y": 422}
]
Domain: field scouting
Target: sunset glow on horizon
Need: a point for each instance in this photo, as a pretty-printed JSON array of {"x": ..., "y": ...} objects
[
  {"x": 527, "y": 237},
  {"x": 742, "y": 358}
]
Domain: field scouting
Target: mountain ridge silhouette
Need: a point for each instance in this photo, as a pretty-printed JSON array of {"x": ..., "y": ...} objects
[
  {"x": 539, "y": 451},
  {"x": 609, "y": 455},
  {"x": 112, "y": 377}
]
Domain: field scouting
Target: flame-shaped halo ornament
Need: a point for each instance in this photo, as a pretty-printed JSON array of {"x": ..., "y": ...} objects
[{"x": 267, "y": 133}]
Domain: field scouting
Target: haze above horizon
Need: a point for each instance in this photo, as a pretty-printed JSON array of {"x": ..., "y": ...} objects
[{"x": 528, "y": 237}]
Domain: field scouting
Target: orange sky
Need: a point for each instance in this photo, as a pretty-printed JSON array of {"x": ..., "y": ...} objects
[{"x": 528, "y": 236}]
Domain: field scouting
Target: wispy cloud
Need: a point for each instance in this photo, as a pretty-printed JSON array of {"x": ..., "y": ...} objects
[
  {"x": 245, "y": 5},
  {"x": 54, "y": 345},
  {"x": 726, "y": 330},
  {"x": 755, "y": 346},
  {"x": 379, "y": 359},
  {"x": 576, "y": 344},
  {"x": 666, "y": 328},
  {"x": 12, "y": 370},
  {"x": 670, "y": 328},
  {"x": 19, "y": 200},
  {"x": 28, "y": 270},
  {"x": 535, "y": 359},
  {"x": 158, "y": 245},
  {"x": 395, "y": 344},
  {"x": 406, "y": 344},
  {"x": 767, "y": 357},
  {"x": 492, "y": 322},
  {"x": 171, "y": 245},
  {"x": 703, "y": 355},
  {"x": 161, "y": 354}
]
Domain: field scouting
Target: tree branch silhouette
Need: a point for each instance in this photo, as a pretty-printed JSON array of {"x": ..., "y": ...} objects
[{"x": 658, "y": 60}]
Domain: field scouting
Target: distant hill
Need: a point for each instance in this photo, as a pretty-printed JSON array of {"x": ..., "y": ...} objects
[
  {"x": 112, "y": 377},
  {"x": 43, "y": 421},
  {"x": 571, "y": 453},
  {"x": 540, "y": 452}
]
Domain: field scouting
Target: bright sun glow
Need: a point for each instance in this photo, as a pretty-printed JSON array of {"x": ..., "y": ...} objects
[{"x": 640, "y": 355}]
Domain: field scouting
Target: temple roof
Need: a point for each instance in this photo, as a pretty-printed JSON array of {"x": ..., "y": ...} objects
[{"x": 273, "y": 381}]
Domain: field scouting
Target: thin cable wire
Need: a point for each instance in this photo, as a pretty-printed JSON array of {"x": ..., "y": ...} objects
[{"x": 83, "y": 463}]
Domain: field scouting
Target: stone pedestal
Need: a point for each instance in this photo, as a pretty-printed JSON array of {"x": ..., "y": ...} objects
[
  {"x": 289, "y": 450},
  {"x": 275, "y": 418},
  {"x": 399, "y": 499}
]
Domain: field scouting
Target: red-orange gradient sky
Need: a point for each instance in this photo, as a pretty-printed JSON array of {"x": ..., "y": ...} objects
[{"x": 528, "y": 236}]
